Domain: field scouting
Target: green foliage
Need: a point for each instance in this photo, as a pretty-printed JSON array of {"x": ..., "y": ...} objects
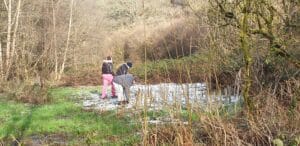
[
  {"x": 124, "y": 12},
  {"x": 296, "y": 141},
  {"x": 293, "y": 106},
  {"x": 277, "y": 142},
  {"x": 187, "y": 115},
  {"x": 230, "y": 110},
  {"x": 153, "y": 115}
]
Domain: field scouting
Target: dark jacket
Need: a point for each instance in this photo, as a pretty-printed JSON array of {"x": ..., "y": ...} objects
[
  {"x": 123, "y": 69},
  {"x": 126, "y": 81},
  {"x": 107, "y": 67}
]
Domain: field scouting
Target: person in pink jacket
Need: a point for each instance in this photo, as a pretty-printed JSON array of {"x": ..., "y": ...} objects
[{"x": 107, "y": 77}]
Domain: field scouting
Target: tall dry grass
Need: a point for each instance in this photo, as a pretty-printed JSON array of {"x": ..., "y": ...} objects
[{"x": 217, "y": 126}]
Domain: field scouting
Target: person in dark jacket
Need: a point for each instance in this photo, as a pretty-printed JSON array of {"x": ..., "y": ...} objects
[
  {"x": 122, "y": 84},
  {"x": 123, "y": 69},
  {"x": 107, "y": 77}
]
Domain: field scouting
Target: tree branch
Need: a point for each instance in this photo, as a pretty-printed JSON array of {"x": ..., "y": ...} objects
[
  {"x": 5, "y": 3},
  {"x": 263, "y": 33}
]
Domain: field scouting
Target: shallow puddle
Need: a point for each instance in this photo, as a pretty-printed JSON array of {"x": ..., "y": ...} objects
[{"x": 159, "y": 96}]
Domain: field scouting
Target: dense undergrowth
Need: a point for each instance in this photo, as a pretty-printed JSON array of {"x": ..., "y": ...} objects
[
  {"x": 275, "y": 92},
  {"x": 189, "y": 69}
]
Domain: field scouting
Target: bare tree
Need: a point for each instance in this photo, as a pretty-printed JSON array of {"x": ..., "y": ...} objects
[
  {"x": 247, "y": 55},
  {"x": 5, "y": 3},
  {"x": 9, "y": 25},
  {"x": 68, "y": 41},
  {"x": 54, "y": 39},
  {"x": 13, "y": 45},
  {"x": 1, "y": 62}
]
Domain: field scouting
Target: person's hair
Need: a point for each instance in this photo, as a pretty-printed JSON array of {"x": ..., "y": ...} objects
[
  {"x": 129, "y": 64},
  {"x": 108, "y": 58}
]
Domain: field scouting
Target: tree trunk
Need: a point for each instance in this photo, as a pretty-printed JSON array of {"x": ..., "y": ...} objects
[
  {"x": 5, "y": 3},
  {"x": 247, "y": 57},
  {"x": 7, "y": 59},
  {"x": 54, "y": 40},
  {"x": 1, "y": 61},
  {"x": 13, "y": 45},
  {"x": 74, "y": 52},
  {"x": 68, "y": 41}
]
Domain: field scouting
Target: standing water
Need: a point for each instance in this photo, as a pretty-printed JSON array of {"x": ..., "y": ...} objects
[{"x": 163, "y": 95}]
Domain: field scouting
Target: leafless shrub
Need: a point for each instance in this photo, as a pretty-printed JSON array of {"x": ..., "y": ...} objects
[{"x": 170, "y": 134}]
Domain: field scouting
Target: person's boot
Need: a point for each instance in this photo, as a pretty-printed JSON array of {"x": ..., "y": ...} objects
[
  {"x": 114, "y": 96},
  {"x": 123, "y": 102}
]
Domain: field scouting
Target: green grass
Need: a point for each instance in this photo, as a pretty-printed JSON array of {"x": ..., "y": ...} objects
[
  {"x": 64, "y": 117},
  {"x": 62, "y": 94}
]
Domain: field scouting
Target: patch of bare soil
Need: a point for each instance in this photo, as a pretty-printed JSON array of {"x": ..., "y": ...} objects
[{"x": 41, "y": 140}]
